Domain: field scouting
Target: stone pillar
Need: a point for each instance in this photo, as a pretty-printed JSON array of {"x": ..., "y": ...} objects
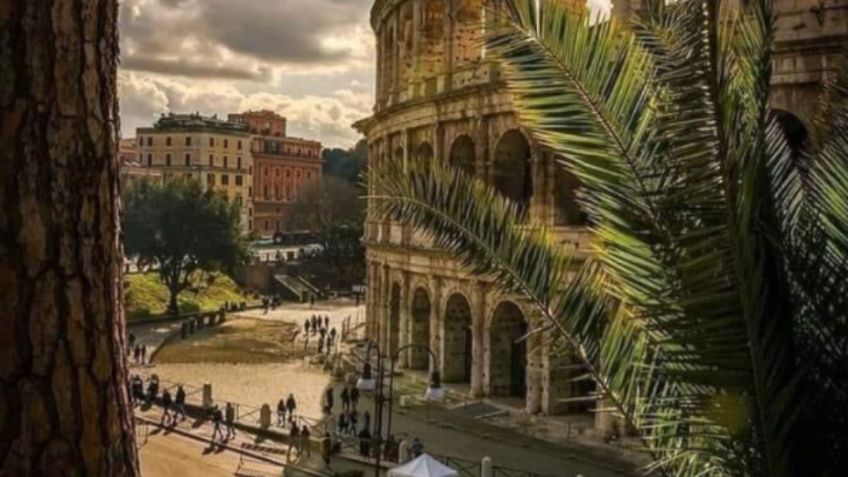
[
  {"x": 385, "y": 303},
  {"x": 486, "y": 467},
  {"x": 416, "y": 38},
  {"x": 405, "y": 321},
  {"x": 478, "y": 318},
  {"x": 535, "y": 366},
  {"x": 207, "y": 396},
  {"x": 437, "y": 323},
  {"x": 440, "y": 154},
  {"x": 265, "y": 416}
]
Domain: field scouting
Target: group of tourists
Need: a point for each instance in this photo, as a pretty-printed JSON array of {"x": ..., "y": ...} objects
[
  {"x": 140, "y": 354},
  {"x": 270, "y": 303},
  {"x": 320, "y": 325},
  {"x": 227, "y": 419},
  {"x": 299, "y": 440},
  {"x": 173, "y": 407},
  {"x": 285, "y": 411}
]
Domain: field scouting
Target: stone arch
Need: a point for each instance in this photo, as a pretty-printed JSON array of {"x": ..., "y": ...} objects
[
  {"x": 394, "y": 318},
  {"x": 420, "y": 328},
  {"x": 797, "y": 136},
  {"x": 425, "y": 151},
  {"x": 512, "y": 170},
  {"x": 458, "y": 340},
  {"x": 566, "y": 187},
  {"x": 462, "y": 155},
  {"x": 508, "y": 352}
]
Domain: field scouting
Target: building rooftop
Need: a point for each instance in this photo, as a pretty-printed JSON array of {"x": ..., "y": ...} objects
[{"x": 198, "y": 121}]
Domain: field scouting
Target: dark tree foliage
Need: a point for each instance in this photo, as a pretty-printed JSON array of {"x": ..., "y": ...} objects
[
  {"x": 181, "y": 228},
  {"x": 346, "y": 164}
]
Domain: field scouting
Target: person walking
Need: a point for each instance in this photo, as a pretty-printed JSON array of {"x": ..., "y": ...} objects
[
  {"x": 291, "y": 405},
  {"x": 354, "y": 397},
  {"x": 417, "y": 447},
  {"x": 179, "y": 400},
  {"x": 137, "y": 389},
  {"x": 305, "y": 442},
  {"x": 345, "y": 395},
  {"x": 230, "y": 418},
  {"x": 343, "y": 423},
  {"x": 294, "y": 441},
  {"x": 217, "y": 417},
  {"x": 352, "y": 422},
  {"x": 166, "y": 408},
  {"x": 306, "y": 327},
  {"x": 327, "y": 322},
  {"x": 365, "y": 443},
  {"x": 326, "y": 449},
  {"x": 136, "y": 353},
  {"x": 152, "y": 389},
  {"x": 366, "y": 418},
  {"x": 281, "y": 413},
  {"x": 143, "y": 353},
  {"x": 329, "y": 400}
]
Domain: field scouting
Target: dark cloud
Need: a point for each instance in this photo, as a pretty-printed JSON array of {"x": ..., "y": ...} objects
[{"x": 160, "y": 35}]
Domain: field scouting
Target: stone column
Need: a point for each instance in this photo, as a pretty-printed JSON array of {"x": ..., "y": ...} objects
[
  {"x": 535, "y": 368},
  {"x": 481, "y": 148},
  {"x": 416, "y": 39},
  {"x": 537, "y": 166},
  {"x": 437, "y": 322},
  {"x": 405, "y": 321},
  {"x": 383, "y": 315},
  {"x": 478, "y": 350},
  {"x": 440, "y": 154}
]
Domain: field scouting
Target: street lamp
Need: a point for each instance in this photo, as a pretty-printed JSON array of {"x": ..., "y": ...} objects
[{"x": 367, "y": 383}]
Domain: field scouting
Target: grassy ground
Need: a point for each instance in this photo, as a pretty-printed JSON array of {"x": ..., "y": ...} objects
[
  {"x": 238, "y": 341},
  {"x": 147, "y": 296}
]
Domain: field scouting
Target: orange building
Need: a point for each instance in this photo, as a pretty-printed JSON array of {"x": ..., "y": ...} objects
[{"x": 284, "y": 168}]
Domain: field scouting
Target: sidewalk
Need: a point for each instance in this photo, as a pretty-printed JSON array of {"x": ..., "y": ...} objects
[{"x": 450, "y": 433}]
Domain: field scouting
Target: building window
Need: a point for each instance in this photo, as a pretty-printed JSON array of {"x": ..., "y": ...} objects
[
  {"x": 250, "y": 192},
  {"x": 297, "y": 174},
  {"x": 226, "y": 143},
  {"x": 238, "y": 145},
  {"x": 211, "y": 142},
  {"x": 238, "y": 163},
  {"x": 250, "y": 170},
  {"x": 308, "y": 175},
  {"x": 188, "y": 140},
  {"x": 266, "y": 225},
  {"x": 168, "y": 141},
  {"x": 277, "y": 192},
  {"x": 250, "y": 213},
  {"x": 211, "y": 160},
  {"x": 266, "y": 170},
  {"x": 150, "y": 141},
  {"x": 168, "y": 160},
  {"x": 238, "y": 180},
  {"x": 188, "y": 160},
  {"x": 288, "y": 193},
  {"x": 149, "y": 160},
  {"x": 225, "y": 162},
  {"x": 266, "y": 193},
  {"x": 277, "y": 171},
  {"x": 210, "y": 180},
  {"x": 225, "y": 179},
  {"x": 288, "y": 173}
]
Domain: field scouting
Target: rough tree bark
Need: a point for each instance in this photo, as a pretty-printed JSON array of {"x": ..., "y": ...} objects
[{"x": 63, "y": 398}]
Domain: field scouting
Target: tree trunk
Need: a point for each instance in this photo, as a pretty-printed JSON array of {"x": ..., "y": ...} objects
[{"x": 64, "y": 407}]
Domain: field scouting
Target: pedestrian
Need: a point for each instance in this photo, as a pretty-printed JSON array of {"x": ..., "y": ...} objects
[
  {"x": 366, "y": 418},
  {"x": 294, "y": 441},
  {"x": 354, "y": 397},
  {"x": 281, "y": 413},
  {"x": 132, "y": 340},
  {"x": 136, "y": 353},
  {"x": 291, "y": 405},
  {"x": 326, "y": 449},
  {"x": 137, "y": 389},
  {"x": 230, "y": 417},
  {"x": 365, "y": 443},
  {"x": 179, "y": 400},
  {"x": 304, "y": 441},
  {"x": 417, "y": 447},
  {"x": 345, "y": 399},
  {"x": 152, "y": 389},
  {"x": 333, "y": 333},
  {"x": 343, "y": 422},
  {"x": 166, "y": 408},
  {"x": 217, "y": 417},
  {"x": 306, "y": 328},
  {"x": 327, "y": 322},
  {"x": 329, "y": 400},
  {"x": 352, "y": 422},
  {"x": 143, "y": 353}
]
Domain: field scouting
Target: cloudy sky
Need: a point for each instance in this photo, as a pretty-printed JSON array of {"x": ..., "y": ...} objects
[{"x": 309, "y": 60}]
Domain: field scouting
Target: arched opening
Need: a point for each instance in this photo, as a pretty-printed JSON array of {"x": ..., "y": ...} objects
[
  {"x": 508, "y": 371},
  {"x": 797, "y": 136},
  {"x": 424, "y": 152},
  {"x": 394, "y": 319},
  {"x": 566, "y": 209},
  {"x": 419, "y": 358},
  {"x": 462, "y": 155},
  {"x": 457, "y": 340},
  {"x": 512, "y": 173}
]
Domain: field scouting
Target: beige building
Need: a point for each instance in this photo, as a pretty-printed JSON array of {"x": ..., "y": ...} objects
[
  {"x": 439, "y": 98},
  {"x": 131, "y": 168},
  {"x": 214, "y": 151}
]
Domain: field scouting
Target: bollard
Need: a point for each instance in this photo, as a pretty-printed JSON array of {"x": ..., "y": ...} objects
[
  {"x": 403, "y": 452},
  {"x": 183, "y": 330},
  {"x": 486, "y": 467},
  {"x": 207, "y": 396},
  {"x": 265, "y": 416}
]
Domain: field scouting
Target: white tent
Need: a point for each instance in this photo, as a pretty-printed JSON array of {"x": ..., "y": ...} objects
[{"x": 424, "y": 466}]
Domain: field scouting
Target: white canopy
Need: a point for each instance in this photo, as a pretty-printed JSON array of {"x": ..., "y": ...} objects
[{"x": 424, "y": 466}]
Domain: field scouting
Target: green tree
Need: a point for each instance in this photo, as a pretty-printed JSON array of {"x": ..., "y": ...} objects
[
  {"x": 346, "y": 164},
  {"x": 712, "y": 310},
  {"x": 181, "y": 228}
]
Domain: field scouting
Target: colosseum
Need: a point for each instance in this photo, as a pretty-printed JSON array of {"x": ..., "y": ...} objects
[{"x": 438, "y": 97}]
